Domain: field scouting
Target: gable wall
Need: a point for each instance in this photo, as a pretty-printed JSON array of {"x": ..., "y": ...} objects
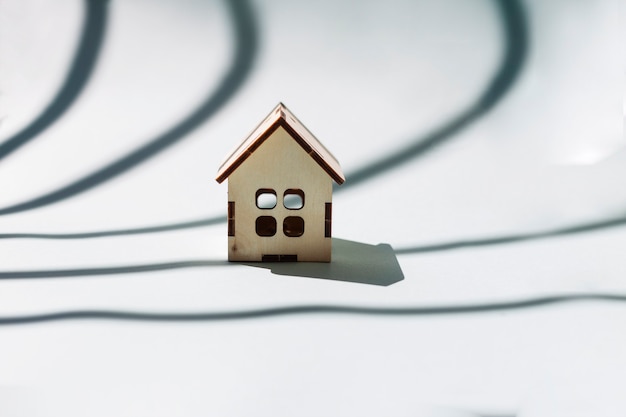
[{"x": 279, "y": 163}]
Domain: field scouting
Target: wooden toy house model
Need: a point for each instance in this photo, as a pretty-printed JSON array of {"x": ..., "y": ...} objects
[{"x": 280, "y": 193}]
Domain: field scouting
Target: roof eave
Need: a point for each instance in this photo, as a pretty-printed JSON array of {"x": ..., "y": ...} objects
[{"x": 228, "y": 167}]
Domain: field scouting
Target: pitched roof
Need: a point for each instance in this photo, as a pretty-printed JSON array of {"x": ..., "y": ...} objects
[{"x": 282, "y": 117}]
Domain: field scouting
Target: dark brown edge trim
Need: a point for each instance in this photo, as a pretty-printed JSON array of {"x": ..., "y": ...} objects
[
  {"x": 231, "y": 209},
  {"x": 307, "y": 148},
  {"x": 231, "y": 218},
  {"x": 328, "y": 213},
  {"x": 281, "y": 122},
  {"x": 279, "y": 258},
  {"x": 253, "y": 146},
  {"x": 231, "y": 227}
]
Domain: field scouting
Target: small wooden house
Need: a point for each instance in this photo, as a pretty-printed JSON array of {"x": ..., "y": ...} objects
[{"x": 280, "y": 193}]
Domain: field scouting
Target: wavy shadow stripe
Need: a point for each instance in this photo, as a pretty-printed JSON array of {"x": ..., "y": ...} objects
[
  {"x": 308, "y": 310},
  {"x": 81, "y": 69},
  {"x": 119, "y": 232},
  {"x": 582, "y": 228},
  {"x": 246, "y": 48},
  {"x": 111, "y": 270},
  {"x": 457, "y": 244},
  {"x": 522, "y": 237},
  {"x": 516, "y": 41},
  {"x": 514, "y": 24}
]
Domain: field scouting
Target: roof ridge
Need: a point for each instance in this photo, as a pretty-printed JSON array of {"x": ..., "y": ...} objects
[{"x": 280, "y": 116}]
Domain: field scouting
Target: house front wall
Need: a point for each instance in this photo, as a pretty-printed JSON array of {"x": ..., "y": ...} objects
[{"x": 279, "y": 164}]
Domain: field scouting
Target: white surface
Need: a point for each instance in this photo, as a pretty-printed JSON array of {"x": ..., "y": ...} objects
[{"x": 365, "y": 79}]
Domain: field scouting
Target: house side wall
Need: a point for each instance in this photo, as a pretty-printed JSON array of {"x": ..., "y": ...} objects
[{"x": 279, "y": 164}]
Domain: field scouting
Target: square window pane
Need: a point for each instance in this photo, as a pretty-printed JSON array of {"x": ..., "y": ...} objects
[
  {"x": 293, "y": 199},
  {"x": 293, "y": 226},
  {"x": 266, "y": 198}
]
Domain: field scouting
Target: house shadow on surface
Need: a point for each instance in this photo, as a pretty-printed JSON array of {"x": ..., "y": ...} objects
[{"x": 351, "y": 262}]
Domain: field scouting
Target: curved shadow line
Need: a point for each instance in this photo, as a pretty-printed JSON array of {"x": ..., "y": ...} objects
[
  {"x": 516, "y": 41},
  {"x": 119, "y": 232},
  {"x": 306, "y": 309},
  {"x": 111, "y": 270},
  {"x": 81, "y": 69},
  {"x": 517, "y": 45},
  {"x": 522, "y": 237},
  {"x": 114, "y": 270},
  {"x": 5, "y": 275},
  {"x": 246, "y": 47},
  {"x": 438, "y": 247}
]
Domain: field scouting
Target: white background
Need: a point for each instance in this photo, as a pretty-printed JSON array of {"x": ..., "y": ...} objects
[{"x": 367, "y": 78}]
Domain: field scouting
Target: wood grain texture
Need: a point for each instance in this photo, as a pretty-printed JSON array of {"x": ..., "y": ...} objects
[
  {"x": 282, "y": 117},
  {"x": 280, "y": 164}
]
